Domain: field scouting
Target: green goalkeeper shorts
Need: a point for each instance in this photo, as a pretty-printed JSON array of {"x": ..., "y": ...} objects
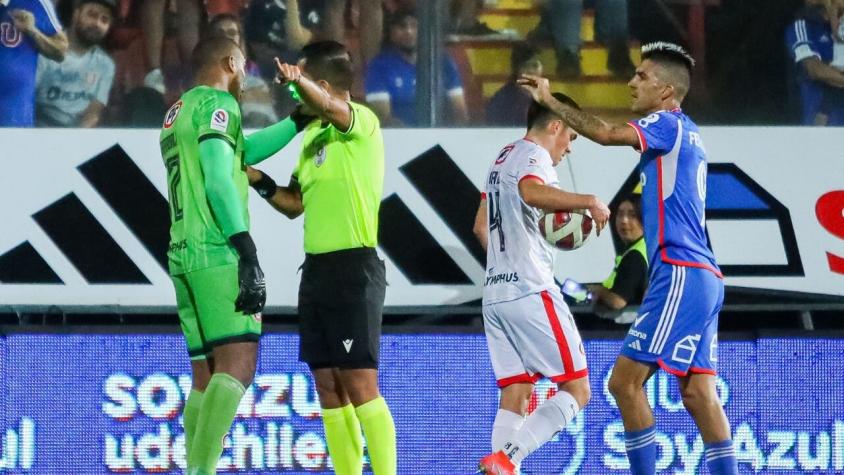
[{"x": 205, "y": 300}]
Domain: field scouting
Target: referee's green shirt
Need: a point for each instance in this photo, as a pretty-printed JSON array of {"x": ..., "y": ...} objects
[{"x": 342, "y": 179}]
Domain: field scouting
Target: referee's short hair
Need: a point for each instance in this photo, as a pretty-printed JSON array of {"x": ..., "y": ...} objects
[
  {"x": 329, "y": 61},
  {"x": 539, "y": 115}
]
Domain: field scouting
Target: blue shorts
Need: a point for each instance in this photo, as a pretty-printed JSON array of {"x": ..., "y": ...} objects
[{"x": 677, "y": 324}]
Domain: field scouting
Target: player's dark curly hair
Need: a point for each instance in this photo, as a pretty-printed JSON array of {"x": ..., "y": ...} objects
[{"x": 539, "y": 115}]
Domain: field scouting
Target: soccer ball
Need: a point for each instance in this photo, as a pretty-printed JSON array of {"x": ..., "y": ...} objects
[{"x": 566, "y": 230}]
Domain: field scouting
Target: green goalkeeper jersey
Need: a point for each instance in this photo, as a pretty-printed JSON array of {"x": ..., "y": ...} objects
[{"x": 196, "y": 239}]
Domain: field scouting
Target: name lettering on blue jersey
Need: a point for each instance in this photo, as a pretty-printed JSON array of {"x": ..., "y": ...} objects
[{"x": 694, "y": 139}]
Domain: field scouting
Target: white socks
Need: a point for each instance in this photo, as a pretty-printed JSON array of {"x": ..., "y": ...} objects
[
  {"x": 550, "y": 417},
  {"x": 504, "y": 428}
]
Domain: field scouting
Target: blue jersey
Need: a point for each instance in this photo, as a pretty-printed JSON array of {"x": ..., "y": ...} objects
[
  {"x": 390, "y": 77},
  {"x": 19, "y": 58},
  {"x": 810, "y": 36},
  {"x": 673, "y": 174}
]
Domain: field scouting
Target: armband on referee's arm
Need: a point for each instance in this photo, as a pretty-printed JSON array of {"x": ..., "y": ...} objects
[{"x": 265, "y": 186}]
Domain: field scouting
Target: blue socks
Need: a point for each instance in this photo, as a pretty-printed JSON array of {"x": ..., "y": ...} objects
[
  {"x": 721, "y": 458},
  {"x": 641, "y": 451}
]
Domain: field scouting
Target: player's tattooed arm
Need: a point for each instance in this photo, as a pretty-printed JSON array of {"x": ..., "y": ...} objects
[
  {"x": 481, "y": 227},
  {"x": 584, "y": 123}
]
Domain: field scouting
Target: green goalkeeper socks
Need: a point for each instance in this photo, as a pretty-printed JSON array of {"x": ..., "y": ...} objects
[
  {"x": 219, "y": 405},
  {"x": 190, "y": 414},
  {"x": 342, "y": 433},
  {"x": 380, "y": 432}
]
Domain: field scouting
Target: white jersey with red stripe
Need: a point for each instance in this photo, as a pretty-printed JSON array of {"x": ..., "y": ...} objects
[{"x": 519, "y": 261}]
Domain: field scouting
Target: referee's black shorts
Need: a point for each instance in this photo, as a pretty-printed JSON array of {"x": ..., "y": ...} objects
[{"x": 341, "y": 303}]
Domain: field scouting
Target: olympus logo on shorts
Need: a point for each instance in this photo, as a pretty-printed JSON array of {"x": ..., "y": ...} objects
[{"x": 502, "y": 278}]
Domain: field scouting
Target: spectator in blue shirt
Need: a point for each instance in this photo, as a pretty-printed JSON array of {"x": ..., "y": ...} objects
[
  {"x": 27, "y": 28},
  {"x": 820, "y": 60},
  {"x": 391, "y": 77}
]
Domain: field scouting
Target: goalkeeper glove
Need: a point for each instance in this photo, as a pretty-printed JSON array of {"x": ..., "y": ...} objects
[{"x": 252, "y": 293}]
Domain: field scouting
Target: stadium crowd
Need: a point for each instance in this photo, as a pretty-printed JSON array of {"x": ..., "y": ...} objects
[{"x": 120, "y": 63}]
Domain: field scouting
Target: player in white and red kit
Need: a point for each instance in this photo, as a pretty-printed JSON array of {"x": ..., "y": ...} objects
[{"x": 529, "y": 328}]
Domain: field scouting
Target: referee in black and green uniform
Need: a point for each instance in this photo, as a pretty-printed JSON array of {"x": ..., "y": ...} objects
[{"x": 338, "y": 184}]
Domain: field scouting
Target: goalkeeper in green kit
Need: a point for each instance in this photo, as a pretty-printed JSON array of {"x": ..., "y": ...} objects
[{"x": 220, "y": 290}]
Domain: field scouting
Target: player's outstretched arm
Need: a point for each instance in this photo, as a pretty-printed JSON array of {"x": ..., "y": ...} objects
[
  {"x": 266, "y": 142},
  {"x": 588, "y": 125},
  {"x": 324, "y": 105},
  {"x": 216, "y": 157},
  {"x": 481, "y": 227},
  {"x": 287, "y": 200},
  {"x": 542, "y": 196}
]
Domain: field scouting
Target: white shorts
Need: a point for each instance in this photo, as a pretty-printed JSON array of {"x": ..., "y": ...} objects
[{"x": 533, "y": 337}]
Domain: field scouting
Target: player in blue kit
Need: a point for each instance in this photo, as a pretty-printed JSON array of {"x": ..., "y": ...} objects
[
  {"x": 27, "y": 28},
  {"x": 676, "y": 328}
]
